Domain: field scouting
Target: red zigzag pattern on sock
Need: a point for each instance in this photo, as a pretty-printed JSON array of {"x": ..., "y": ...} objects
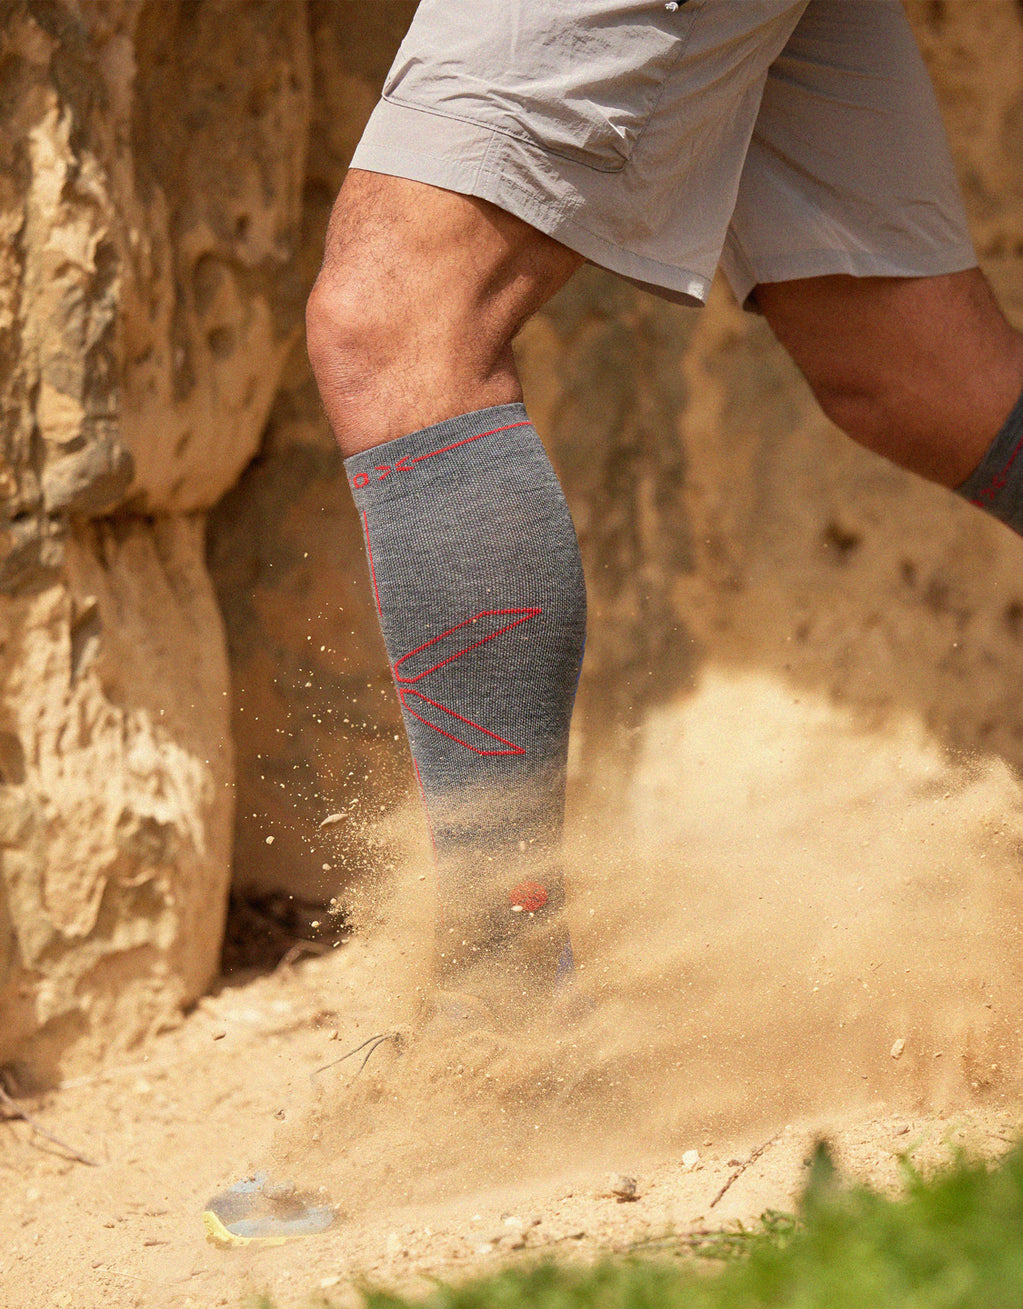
[{"x": 407, "y": 690}]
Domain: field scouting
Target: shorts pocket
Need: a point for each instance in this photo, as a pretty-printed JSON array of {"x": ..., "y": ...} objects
[{"x": 578, "y": 78}]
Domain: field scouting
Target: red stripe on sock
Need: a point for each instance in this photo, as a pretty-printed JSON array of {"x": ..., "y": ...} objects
[
  {"x": 403, "y": 694},
  {"x": 525, "y": 615},
  {"x": 405, "y": 463},
  {"x": 369, "y": 554}
]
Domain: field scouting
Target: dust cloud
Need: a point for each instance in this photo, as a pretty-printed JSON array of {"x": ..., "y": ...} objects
[{"x": 798, "y": 915}]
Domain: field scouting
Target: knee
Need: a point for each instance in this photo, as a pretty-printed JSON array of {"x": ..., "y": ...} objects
[
  {"x": 346, "y": 338},
  {"x": 865, "y": 408},
  {"x": 906, "y": 417},
  {"x": 387, "y": 363}
]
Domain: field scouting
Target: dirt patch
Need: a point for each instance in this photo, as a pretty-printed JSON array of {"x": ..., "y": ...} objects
[{"x": 802, "y": 926}]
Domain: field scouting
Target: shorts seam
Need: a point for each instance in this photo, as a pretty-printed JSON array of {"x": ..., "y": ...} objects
[
  {"x": 669, "y": 73},
  {"x": 514, "y": 136},
  {"x": 560, "y": 208}
]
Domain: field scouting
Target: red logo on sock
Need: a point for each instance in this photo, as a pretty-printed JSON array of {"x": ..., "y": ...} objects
[{"x": 529, "y": 896}]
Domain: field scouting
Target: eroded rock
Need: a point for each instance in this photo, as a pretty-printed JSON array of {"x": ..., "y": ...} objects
[{"x": 116, "y": 801}]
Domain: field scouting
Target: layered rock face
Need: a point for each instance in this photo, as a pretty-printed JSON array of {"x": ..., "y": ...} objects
[
  {"x": 172, "y": 688},
  {"x": 148, "y": 207}
]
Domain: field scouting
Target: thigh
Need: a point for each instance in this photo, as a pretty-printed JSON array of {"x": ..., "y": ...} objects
[
  {"x": 848, "y": 170},
  {"x": 617, "y": 126},
  {"x": 435, "y": 258}
]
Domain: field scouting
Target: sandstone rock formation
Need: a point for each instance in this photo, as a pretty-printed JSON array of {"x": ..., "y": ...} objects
[{"x": 150, "y": 204}]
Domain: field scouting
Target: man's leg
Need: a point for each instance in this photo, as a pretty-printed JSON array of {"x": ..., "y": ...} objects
[
  {"x": 925, "y": 371},
  {"x": 473, "y": 558},
  {"x": 419, "y": 298}
]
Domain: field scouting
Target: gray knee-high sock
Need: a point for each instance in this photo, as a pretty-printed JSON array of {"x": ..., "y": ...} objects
[
  {"x": 479, "y": 586},
  {"x": 997, "y": 483}
]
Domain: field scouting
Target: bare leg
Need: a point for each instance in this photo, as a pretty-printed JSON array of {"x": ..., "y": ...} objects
[
  {"x": 413, "y": 314},
  {"x": 920, "y": 370}
]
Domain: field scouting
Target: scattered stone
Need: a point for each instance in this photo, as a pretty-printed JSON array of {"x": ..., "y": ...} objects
[
  {"x": 690, "y": 1159},
  {"x": 332, "y": 820},
  {"x": 513, "y": 1221},
  {"x": 484, "y": 1247},
  {"x": 623, "y": 1188},
  {"x": 327, "y": 1282},
  {"x": 898, "y": 1048},
  {"x": 734, "y": 1163}
]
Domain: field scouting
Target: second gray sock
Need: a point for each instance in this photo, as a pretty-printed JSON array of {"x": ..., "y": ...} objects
[{"x": 997, "y": 483}]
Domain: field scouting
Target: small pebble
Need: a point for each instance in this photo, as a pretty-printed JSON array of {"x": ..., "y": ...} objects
[
  {"x": 690, "y": 1159},
  {"x": 331, "y": 819},
  {"x": 623, "y": 1187},
  {"x": 898, "y": 1048},
  {"x": 269, "y": 840}
]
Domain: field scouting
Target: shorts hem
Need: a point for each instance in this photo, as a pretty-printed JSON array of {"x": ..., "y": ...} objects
[
  {"x": 854, "y": 263},
  {"x": 473, "y": 159}
]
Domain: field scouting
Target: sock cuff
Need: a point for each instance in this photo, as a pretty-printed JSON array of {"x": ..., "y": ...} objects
[
  {"x": 1003, "y": 459},
  {"x": 484, "y": 439}
]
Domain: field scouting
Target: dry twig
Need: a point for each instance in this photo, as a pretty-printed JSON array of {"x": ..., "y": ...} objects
[
  {"x": 742, "y": 1168},
  {"x": 14, "y": 1110},
  {"x": 374, "y": 1043}
]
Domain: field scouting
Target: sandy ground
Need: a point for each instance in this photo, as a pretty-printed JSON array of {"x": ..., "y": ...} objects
[{"x": 789, "y": 924}]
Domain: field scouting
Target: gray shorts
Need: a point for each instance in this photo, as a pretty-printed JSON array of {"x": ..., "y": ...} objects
[{"x": 782, "y": 139}]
